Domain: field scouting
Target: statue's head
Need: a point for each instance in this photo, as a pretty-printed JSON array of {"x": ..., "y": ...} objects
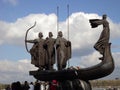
[
  {"x": 40, "y": 34},
  {"x": 50, "y": 34},
  {"x": 60, "y": 34},
  {"x": 104, "y": 16}
]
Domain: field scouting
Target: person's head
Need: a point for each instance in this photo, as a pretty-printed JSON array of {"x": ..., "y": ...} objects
[
  {"x": 25, "y": 82},
  {"x": 40, "y": 35},
  {"x": 104, "y": 16},
  {"x": 60, "y": 34},
  {"x": 50, "y": 34},
  {"x": 54, "y": 81},
  {"x": 31, "y": 83}
]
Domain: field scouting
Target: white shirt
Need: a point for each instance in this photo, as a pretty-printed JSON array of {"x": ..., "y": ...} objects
[{"x": 31, "y": 87}]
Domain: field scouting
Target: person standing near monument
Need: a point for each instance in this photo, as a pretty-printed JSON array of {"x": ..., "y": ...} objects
[
  {"x": 105, "y": 34},
  {"x": 38, "y": 51},
  {"x": 50, "y": 42},
  {"x": 61, "y": 47},
  {"x": 25, "y": 86},
  {"x": 31, "y": 85}
]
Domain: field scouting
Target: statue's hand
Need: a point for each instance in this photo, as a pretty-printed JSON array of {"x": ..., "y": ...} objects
[{"x": 68, "y": 43}]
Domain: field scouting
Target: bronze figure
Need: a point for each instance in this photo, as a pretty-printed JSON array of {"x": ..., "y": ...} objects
[
  {"x": 105, "y": 34},
  {"x": 49, "y": 44},
  {"x": 42, "y": 54},
  {"x": 38, "y": 52},
  {"x": 62, "y": 51}
]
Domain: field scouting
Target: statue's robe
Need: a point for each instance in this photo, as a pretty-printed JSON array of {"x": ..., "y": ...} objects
[
  {"x": 63, "y": 52},
  {"x": 38, "y": 53},
  {"x": 34, "y": 54},
  {"x": 41, "y": 52},
  {"x": 50, "y": 57},
  {"x": 105, "y": 34}
]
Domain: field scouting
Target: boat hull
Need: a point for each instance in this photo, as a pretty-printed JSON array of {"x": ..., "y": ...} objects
[{"x": 100, "y": 70}]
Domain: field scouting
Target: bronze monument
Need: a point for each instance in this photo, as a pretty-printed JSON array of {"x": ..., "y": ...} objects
[{"x": 70, "y": 78}]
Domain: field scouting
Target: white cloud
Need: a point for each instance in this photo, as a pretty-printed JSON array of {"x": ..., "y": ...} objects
[
  {"x": 81, "y": 34},
  {"x": 14, "y": 33},
  {"x": 93, "y": 59},
  {"x": 116, "y": 57},
  {"x": 90, "y": 60},
  {"x": 12, "y": 71}
]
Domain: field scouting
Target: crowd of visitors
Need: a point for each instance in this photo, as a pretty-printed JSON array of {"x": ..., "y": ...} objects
[
  {"x": 38, "y": 85},
  {"x": 43, "y": 85}
]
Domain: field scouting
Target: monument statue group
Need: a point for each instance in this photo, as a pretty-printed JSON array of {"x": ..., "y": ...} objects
[
  {"x": 43, "y": 53},
  {"x": 46, "y": 52}
]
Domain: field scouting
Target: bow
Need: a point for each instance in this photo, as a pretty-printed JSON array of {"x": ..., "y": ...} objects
[{"x": 26, "y": 36}]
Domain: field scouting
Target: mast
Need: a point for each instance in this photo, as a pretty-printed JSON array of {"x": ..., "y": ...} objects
[
  {"x": 68, "y": 29},
  {"x": 68, "y": 21},
  {"x": 57, "y": 19}
]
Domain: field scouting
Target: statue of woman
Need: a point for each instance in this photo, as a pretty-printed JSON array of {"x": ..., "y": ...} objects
[{"x": 105, "y": 34}]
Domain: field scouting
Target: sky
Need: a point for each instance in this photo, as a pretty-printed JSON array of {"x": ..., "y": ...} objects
[{"x": 16, "y": 16}]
